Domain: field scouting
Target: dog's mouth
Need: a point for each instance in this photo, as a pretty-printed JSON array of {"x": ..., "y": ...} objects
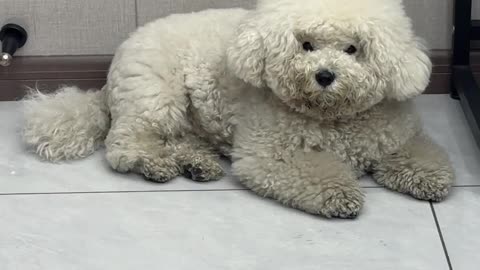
[{"x": 326, "y": 103}]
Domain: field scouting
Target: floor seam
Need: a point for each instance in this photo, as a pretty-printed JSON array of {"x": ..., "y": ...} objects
[
  {"x": 132, "y": 191},
  {"x": 117, "y": 192},
  {"x": 466, "y": 186},
  {"x": 440, "y": 234}
]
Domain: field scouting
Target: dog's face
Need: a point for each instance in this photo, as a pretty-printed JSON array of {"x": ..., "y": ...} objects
[{"x": 331, "y": 58}]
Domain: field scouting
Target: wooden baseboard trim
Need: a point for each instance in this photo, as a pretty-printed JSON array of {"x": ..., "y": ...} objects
[
  {"x": 50, "y": 72},
  {"x": 14, "y": 90}
]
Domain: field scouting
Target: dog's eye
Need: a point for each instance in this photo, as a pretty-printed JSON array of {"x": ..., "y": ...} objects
[
  {"x": 307, "y": 46},
  {"x": 351, "y": 50}
]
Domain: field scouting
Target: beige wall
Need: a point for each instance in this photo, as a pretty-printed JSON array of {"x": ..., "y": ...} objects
[
  {"x": 92, "y": 27},
  {"x": 150, "y": 9},
  {"x": 71, "y": 27}
]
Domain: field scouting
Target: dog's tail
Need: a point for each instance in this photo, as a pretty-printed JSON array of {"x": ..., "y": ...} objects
[{"x": 66, "y": 125}]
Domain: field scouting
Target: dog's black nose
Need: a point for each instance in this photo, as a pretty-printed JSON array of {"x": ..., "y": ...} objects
[{"x": 325, "y": 78}]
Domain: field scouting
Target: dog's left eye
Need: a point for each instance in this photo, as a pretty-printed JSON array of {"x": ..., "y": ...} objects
[{"x": 351, "y": 50}]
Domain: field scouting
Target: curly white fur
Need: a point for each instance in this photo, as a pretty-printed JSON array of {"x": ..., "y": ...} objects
[
  {"x": 68, "y": 124},
  {"x": 189, "y": 86}
]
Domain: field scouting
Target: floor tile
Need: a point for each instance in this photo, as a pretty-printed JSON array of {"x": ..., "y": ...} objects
[
  {"x": 460, "y": 224},
  {"x": 211, "y": 230},
  {"x": 445, "y": 121}
]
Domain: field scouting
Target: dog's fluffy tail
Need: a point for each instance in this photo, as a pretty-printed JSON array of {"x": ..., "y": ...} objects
[{"x": 66, "y": 125}]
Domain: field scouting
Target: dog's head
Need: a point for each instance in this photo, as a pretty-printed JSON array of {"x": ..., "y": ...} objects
[{"x": 331, "y": 58}]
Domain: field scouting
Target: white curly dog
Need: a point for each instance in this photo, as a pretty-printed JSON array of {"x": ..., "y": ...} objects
[{"x": 304, "y": 96}]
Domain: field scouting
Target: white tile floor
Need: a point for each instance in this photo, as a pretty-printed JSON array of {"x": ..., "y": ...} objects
[{"x": 83, "y": 216}]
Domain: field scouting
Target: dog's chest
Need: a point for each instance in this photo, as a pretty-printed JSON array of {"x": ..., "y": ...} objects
[{"x": 360, "y": 140}]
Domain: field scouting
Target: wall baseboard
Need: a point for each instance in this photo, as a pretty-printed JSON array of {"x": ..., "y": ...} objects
[{"x": 48, "y": 73}]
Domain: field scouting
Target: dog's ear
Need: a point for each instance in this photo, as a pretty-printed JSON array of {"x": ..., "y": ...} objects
[
  {"x": 400, "y": 56},
  {"x": 246, "y": 54},
  {"x": 411, "y": 71}
]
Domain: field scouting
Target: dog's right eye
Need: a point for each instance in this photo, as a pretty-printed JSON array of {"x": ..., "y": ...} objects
[{"x": 307, "y": 46}]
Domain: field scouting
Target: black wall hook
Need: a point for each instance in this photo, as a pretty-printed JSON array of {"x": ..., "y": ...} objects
[{"x": 13, "y": 37}]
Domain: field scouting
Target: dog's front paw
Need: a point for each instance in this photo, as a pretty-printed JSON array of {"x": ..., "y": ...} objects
[
  {"x": 341, "y": 203},
  {"x": 431, "y": 185},
  {"x": 336, "y": 202},
  {"x": 429, "y": 182}
]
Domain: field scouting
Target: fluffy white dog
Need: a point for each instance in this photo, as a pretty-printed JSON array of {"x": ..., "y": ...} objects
[{"x": 305, "y": 96}]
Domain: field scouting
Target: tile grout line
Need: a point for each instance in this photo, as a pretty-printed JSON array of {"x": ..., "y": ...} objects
[
  {"x": 465, "y": 186},
  {"x": 118, "y": 192},
  {"x": 132, "y": 191},
  {"x": 439, "y": 230}
]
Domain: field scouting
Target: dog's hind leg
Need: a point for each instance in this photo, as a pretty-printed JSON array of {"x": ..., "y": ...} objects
[
  {"x": 160, "y": 158},
  {"x": 147, "y": 114},
  {"x": 132, "y": 147},
  {"x": 155, "y": 141},
  {"x": 150, "y": 127}
]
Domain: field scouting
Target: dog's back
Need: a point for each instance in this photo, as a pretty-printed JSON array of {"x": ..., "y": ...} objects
[{"x": 146, "y": 75}]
